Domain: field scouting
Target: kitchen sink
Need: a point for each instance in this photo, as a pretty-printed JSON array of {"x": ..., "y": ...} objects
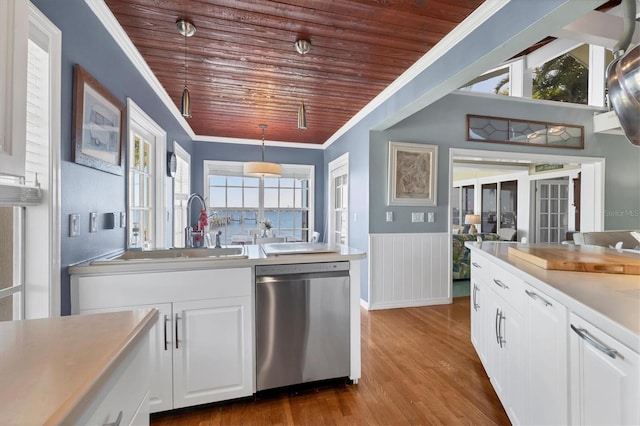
[{"x": 178, "y": 254}]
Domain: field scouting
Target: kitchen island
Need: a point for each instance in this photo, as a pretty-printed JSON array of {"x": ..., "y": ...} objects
[
  {"x": 203, "y": 345},
  {"x": 76, "y": 370},
  {"x": 560, "y": 347}
]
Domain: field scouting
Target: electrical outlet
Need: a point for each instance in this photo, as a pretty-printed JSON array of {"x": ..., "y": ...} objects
[
  {"x": 417, "y": 216},
  {"x": 74, "y": 225},
  {"x": 93, "y": 222},
  {"x": 431, "y": 217},
  {"x": 389, "y": 216}
]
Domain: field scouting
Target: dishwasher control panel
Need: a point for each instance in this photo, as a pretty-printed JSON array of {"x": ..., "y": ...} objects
[{"x": 301, "y": 268}]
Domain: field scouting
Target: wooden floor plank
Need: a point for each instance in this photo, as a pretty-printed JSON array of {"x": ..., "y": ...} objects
[{"x": 418, "y": 367}]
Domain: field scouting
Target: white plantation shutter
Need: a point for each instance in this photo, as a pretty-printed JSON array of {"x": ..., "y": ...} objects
[{"x": 37, "y": 155}]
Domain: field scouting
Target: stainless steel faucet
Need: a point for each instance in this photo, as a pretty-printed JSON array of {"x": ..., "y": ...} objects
[{"x": 189, "y": 233}]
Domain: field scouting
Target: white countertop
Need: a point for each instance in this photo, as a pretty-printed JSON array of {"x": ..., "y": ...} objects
[
  {"x": 609, "y": 301},
  {"x": 255, "y": 256},
  {"x": 49, "y": 367}
]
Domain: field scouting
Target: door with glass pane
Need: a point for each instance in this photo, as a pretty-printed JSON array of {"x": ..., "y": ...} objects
[
  {"x": 489, "y": 207},
  {"x": 552, "y": 206},
  {"x": 141, "y": 191},
  {"x": 508, "y": 204},
  {"x": 339, "y": 201}
]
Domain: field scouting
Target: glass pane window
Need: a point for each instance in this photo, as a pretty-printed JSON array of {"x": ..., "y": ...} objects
[{"x": 239, "y": 206}]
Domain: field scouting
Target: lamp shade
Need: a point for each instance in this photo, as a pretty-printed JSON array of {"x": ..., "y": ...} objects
[
  {"x": 186, "y": 103},
  {"x": 472, "y": 219},
  {"x": 261, "y": 168}
]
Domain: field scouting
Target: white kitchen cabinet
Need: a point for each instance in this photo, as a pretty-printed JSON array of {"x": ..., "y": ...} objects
[
  {"x": 202, "y": 347},
  {"x": 546, "y": 355},
  {"x": 499, "y": 332},
  {"x": 212, "y": 354},
  {"x": 123, "y": 397},
  {"x": 160, "y": 355},
  {"x": 480, "y": 313},
  {"x": 14, "y": 27},
  {"x": 605, "y": 377}
]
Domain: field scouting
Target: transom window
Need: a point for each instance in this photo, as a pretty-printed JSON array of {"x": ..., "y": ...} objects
[{"x": 239, "y": 205}]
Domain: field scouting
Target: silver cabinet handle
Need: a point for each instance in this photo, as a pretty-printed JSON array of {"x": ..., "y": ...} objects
[
  {"x": 177, "y": 341},
  {"x": 497, "y": 325},
  {"x": 476, "y": 265},
  {"x": 501, "y": 284},
  {"x": 536, "y": 296},
  {"x": 595, "y": 343},
  {"x": 500, "y": 336},
  {"x": 166, "y": 342},
  {"x": 475, "y": 290},
  {"x": 117, "y": 422}
]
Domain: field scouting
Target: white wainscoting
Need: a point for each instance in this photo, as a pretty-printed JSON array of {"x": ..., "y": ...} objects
[{"x": 409, "y": 270}]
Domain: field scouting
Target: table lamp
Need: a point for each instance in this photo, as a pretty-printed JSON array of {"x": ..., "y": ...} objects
[{"x": 472, "y": 219}]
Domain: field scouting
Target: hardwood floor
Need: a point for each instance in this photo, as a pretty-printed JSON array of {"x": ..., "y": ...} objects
[{"x": 418, "y": 367}]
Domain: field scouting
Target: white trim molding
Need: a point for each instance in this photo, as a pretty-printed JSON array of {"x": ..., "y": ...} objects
[{"x": 407, "y": 270}]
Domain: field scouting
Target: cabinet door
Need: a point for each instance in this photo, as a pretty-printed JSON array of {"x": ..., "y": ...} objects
[
  {"x": 604, "y": 377},
  {"x": 504, "y": 353},
  {"x": 480, "y": 318},
  {"x": 160, "y": 356},
  {"x": 546, "y": 353},
  {"x": 212, "y": 350}
]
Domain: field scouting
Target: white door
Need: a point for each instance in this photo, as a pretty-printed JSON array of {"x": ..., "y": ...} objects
[
  {"x": 339, "y": 201},
  {"x": 212, "y": 350},
  {"x": 552, "y": 210}
]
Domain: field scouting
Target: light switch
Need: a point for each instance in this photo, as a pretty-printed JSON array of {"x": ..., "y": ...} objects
[
  {"x": 389, "y": 216},
  {"x": 417, "y": 216},
  {"x": 123, "y": 219},
  {"x": 93, "y": 222},
  {"x": 74, "y": 225},
  {"x": 431, "y": 217}
]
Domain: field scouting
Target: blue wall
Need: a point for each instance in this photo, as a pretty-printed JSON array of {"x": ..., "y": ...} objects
[
  {"x": 444, "y": 124},
  {"x": 235, "y": 152},
  {"x": 83, "y": 189}
]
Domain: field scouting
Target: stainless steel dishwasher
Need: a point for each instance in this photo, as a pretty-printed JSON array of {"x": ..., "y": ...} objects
[{"x": 302, "y": 323}]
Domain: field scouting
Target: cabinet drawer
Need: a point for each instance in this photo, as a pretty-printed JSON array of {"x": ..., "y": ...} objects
[
  {"x": 508, "y": 286},
  {"x": 480, "y": 267}
]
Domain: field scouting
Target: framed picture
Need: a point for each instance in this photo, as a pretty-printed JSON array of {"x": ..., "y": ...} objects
[
  {"x": 413, "y": 174},
  {"x": 98, "y": 118}
]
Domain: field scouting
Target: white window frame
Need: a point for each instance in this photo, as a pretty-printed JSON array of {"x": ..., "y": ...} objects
[
  {"x": 138, "y": 119},
  {"x": 178, "y": 231},
  {"x": 234, "y": 168},
  {"x": 42, "y": 296}
]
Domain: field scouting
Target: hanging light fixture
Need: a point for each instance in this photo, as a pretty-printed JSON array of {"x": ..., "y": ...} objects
[
  {"x": 302, "y": 47},
  {"x": 302, "y": 117},
  {"x": 262, "y": 168},
  {"x": 187, "y": 29}
]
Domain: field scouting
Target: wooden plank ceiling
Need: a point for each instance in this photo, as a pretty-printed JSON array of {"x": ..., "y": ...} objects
[{"x": 242, "y": 68}]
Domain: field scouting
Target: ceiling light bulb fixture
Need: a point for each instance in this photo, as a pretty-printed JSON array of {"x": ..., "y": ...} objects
[
  {"x": 187, "y": 29},
  {"x": 302, "y": 117},
  {"x": 262, "y": 168},
  {"x": 303, "y": 46}
]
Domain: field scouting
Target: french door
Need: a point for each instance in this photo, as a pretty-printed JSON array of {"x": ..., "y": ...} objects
[
  {"x": 339, "y": 201},
  {"x": 552, "y": 210}
]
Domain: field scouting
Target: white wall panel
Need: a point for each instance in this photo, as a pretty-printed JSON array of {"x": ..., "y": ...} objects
[{"x": 409, "y": 270}]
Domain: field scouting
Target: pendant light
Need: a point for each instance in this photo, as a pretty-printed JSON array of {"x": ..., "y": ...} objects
[
  {"x": 262, "y": 168},
  {"x": 302, "y": 47},
  {"x": 187, "y": 29},
  {"x": 302, "y": 117}
]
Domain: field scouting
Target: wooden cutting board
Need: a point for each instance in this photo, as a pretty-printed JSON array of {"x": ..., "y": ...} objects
[{"x": 578, "y": 259}]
